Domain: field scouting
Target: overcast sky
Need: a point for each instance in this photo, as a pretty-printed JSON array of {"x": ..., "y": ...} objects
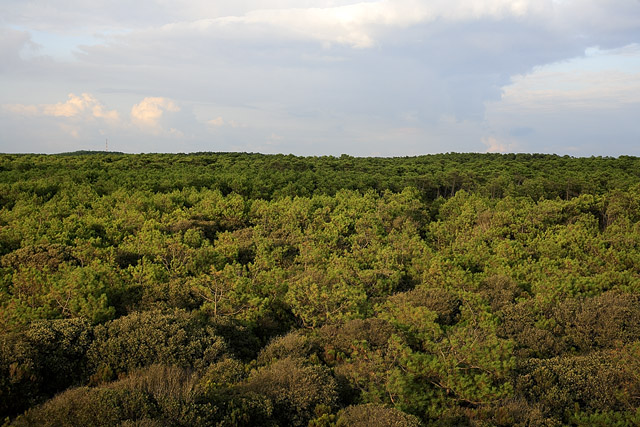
[{"x": 381, "y": 78}]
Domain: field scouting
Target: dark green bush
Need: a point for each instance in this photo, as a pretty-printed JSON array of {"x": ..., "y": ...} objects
[
  {"x": 295, "y": 389},
  {"x": 295, "y": 344},
  {"x": 47, "y": 357},
  {"x": 92, "y": 407},
  {"x": 339, "y": 341},
  {"x": 548, "y": 329},
  {"x": 141, "y": 339},
  {"x": 564, "y": 385},
  {"x": 222, "y": 376}
]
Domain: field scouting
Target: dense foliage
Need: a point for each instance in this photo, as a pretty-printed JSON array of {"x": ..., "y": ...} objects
[{"x": 245, "y": 289}]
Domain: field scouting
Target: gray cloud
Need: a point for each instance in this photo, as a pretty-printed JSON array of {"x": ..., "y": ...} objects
[{"x": 311, "y": 77}]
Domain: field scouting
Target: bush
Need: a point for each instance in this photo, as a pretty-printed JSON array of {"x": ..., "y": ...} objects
[
  {"x": 602, "y": 322},
  {"x": 359, "y": 352},
  {"x": 295, "y": 344},
  {"x": 43, "y": 256},
  {"x": 47, "y": 357},
  {"x": 562, "y": 385},
  {"x": 221, "y": 376},
  {"x": 514, "y": 412},
  {"x": 92, "y": 407},
  {"x": 154, "y": 337},
  {"x": 605, "y": 321},
  {"x": 162, "y": 382},
  {"x": 339, "y": 340},
  {"x": 295, "y": 390},
  {"x": 375, "y": 415},
  {"x": 174, "y": 389}
]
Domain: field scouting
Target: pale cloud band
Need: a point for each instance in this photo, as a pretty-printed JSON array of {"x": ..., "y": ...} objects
[{"x": 356, "y": 24}]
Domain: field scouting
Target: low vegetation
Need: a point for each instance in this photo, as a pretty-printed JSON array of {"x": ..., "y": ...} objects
[{"x": 245, "y": 289}]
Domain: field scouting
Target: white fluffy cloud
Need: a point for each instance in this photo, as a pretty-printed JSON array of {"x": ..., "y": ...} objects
[
  {"x": 148, "y": 113},
  {"x": 86, "y": 118},
  {"x": 40, "y": 125},
  {"x": 80, "y": 105},
  {"x": 85, "y": 106}
]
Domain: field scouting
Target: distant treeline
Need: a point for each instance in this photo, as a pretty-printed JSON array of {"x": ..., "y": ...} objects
[
  {"x": 268, "y": 176},
  {"x": 245, "y": 289}
]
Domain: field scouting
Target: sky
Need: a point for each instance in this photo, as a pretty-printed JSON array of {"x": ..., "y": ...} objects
[{"x": 325, "y": 77}]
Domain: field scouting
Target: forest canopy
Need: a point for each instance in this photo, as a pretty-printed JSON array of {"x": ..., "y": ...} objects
[{"x": 247, "y": 289}]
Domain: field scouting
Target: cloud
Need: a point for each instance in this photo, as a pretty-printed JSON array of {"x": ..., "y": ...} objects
[
  {"x": 580, "y": 84},
  {"x": 499, "y": 146},
  {"x": 145, "y": 13},
  {"x": 79, "y": 105},
  {"x": 79, "y": 117},
  {"x": 22, "y": 110},
  {"x": 13, "y": 44},
  {"x": 329, "y": 76},
  {"x": 355, "y": 24},
  {"x": 430, "y": 56},
  {"x": 586, "y": 105},
  {"x": 85, "y": 106},
  {"x": 546, "y": 91},
  {"x": 148, "y": 114},
  {"x": 217, "y": 122},
  {"x": 87, "y": 121}
]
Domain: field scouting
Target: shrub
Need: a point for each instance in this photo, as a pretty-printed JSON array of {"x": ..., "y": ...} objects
[
  {"x": 562, "y": 385},
  {"x": 146, "y": 338},
  {"x": 92, "y": 407},
  {"x": 295, "y": 389},
  {"x": 375, "y": 415},
  {"x": 47, "y": 357},
  {"x": 295, "y": 344},
  {"x": 338, "y": 340}
]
